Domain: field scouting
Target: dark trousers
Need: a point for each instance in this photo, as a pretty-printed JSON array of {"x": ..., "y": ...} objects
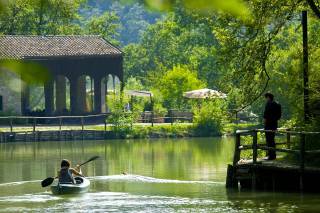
[{"x": 270, "y": 139}]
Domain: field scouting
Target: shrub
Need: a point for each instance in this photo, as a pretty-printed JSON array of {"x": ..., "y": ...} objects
[
  {"x": 209, "y": 117},
  {"x": 122, "y": 121}
]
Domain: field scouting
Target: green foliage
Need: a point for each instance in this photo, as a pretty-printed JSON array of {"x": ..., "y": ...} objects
[
  {"x": 122, "y": 121},
  {"x": 137, "y": 103},
  {"x": 106, "y": 25},
  {"x": 30, "y": 72},
  {"x": 174, "y": 83},
  {"x": 181, "y": 38},
  {"x": 194, "y": 44},
  {"x": 209, "y": 118},
  {"x": 246, "y": 51},
  {"x": 133, "y": 83},
  {"x": 135, "y": 61},
  {"x": 235, "y": 7},
  {"x": 40, "y": 17}
]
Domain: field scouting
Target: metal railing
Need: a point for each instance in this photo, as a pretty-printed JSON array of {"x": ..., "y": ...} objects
[
  {"x": 13, "y": 122},
  {"x": 58, "y": 120}
]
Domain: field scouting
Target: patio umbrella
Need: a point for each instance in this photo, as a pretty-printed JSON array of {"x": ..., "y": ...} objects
[{"x": 204, "y": 94}]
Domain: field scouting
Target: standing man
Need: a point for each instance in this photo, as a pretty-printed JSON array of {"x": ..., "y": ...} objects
[{"x": 272, "y": 114}]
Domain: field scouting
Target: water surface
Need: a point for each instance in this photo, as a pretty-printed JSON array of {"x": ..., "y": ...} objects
[{"x": 163, "y": 175}]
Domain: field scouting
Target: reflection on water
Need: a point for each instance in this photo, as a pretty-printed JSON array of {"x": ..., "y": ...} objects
[{"x": 184, "y": 175}]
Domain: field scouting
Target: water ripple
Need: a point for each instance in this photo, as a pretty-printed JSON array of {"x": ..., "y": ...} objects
[{"x": 146, "y": 179}]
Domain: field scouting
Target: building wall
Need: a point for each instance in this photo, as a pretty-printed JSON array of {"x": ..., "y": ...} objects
[{"x": 10, "y": 90}]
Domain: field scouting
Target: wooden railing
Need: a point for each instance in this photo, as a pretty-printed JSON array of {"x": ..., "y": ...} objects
[{"x": 299, "y": 149}]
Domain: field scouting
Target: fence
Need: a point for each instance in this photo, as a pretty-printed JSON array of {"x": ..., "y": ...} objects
[
  {"x": 298, "y": 149},
  {"x": 60, "y": 121}
]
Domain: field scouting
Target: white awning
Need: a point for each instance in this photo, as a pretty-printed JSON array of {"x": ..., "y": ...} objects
[
  {"x": 139, "y": 93},
  {"x": 204, "y": 93}
]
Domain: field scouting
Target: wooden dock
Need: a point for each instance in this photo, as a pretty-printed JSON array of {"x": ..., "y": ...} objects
[{"x": 276, "y": 175}]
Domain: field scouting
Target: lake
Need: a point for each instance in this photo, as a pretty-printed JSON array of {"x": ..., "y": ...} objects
[{"x": 162, "y": 175}]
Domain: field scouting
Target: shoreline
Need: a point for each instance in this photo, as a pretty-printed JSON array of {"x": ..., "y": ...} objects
[{"x": 182, "y": 130}]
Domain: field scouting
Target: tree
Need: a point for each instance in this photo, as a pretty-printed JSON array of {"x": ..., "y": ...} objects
[
  {"x": 175, "y": 82},
  {"x": 180, "y": 38},
  {"x": 134, "y": 21},
  {"x": 106, "y": 25},
  {"x": 40, "y": 17}
]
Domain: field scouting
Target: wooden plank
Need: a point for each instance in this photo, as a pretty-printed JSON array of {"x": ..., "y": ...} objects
[
  {"x": 255, "y": 146},
  {"x": 313, "y": 151},
  {"x": 278, "y": 149},
  {"x": 236, "y": 156}
]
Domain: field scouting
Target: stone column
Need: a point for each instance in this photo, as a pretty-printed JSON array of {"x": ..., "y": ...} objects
[
  {"x": 73, "y": 96},
  {"x": 25, "y": 98},
  {"x": 82, "y": 98},
  {"x": 103, "y": 96},
  {"x": 98, "y": 93},
  {"x": 61, "y": 94},
  {"x": 106, "y": 93},
  {"x": 49, "y": 97}
]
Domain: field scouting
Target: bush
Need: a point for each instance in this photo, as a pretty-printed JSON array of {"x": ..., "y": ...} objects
[
  {"x": 209, "y": 117},
  {"x": 122, "y": 121}
]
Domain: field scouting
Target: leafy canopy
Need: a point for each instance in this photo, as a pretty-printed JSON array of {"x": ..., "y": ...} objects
[{"x": 175, "y": 82}]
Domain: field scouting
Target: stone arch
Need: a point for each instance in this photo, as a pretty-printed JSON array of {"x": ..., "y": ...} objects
[
  {"x": 62, "y": 95},
  {"x": 37, "y": 98},
  {"x": 117, "y": 84},
  {"x": 104, "y": 88},
  {"x": 85, "y": 94}
]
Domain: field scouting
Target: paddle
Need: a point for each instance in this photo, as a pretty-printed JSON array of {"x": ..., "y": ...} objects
[{"x": 48, "y": 181}]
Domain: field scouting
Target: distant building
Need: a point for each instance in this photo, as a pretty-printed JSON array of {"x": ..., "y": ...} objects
[{"x": 69, "y": 59}]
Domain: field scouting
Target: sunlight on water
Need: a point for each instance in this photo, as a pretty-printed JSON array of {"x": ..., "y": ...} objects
[
  {"x": 139, "y": 178},
  {"x": 180, "y": 175}
]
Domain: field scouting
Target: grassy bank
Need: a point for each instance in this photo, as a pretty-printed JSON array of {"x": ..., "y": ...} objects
[
  {"x": 139, "y": 130},
  {"x": 174, "y": 131}
]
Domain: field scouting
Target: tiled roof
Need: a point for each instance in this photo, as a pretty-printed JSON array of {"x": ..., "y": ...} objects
[{"x": 19, "y": 46}]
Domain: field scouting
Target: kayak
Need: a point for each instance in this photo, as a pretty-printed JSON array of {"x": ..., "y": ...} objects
[{"x": 82, "y": 185}]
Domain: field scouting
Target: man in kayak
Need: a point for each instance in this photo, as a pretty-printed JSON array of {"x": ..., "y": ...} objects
[{"x": 66, "y": 174}]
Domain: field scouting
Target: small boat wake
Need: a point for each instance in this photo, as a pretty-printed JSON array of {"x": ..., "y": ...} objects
[
  {"x": 19, "y": 183},
  {"x": 29, "y": 198},
  {"x": 109, "y": 202},
  {"x": 124, "y": 178},
  {"x": 32, "y": 198},
  {"x": 146, "y": 179}
]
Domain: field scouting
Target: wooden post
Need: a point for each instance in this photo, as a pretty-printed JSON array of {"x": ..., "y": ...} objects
[
  {"x": 10, "y": 123},
  {"x": 82, "y": 124},
  {"x": 152, "y": 113},
  {"x": 34, "y": 129},
  {"x": 60, "y": 124},
  {"x": 236, "y": 156},
  {"x": 254, "y": 146},
  {"x": 171, "y": 117},
  {"x": 254, "y": 180},
  {"x": 302, "y": 150},
  {"x": 60, "y": 127},
  {"x": 34, "y": 124},
  {"x": 231, "y": 181},
  {"x": 302, "y": 158},
  {"x": 288, "y": 140},
  {"x": 82, "y": 128},
  {"x": 304, "y": 22}
]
